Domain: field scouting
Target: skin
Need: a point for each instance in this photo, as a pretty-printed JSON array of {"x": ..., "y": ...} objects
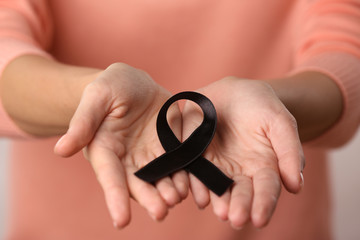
[
  {"x": 110, "y": 114},
  {"x": 249, "y": 145}
]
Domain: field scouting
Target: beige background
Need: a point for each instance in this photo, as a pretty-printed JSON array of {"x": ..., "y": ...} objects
[{"x": 345, "y": 177}]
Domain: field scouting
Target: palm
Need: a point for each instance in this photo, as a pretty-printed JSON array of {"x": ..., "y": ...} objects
[
  {"x": 115, "y": 122},
  {"x": 246, "y": 148},
  {"x": 240, "y": 140},
  {"x": 131, "y": 134}
]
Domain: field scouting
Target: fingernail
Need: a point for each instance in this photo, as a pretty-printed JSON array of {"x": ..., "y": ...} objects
[
  {"x": 303, "y": 162},
  {"x": 201, "y": 207},
  {"x": 59, "y": 141},
  {"x": 153, "y": 217},
  {"x": 302, "y": 180},
  {"x": 237, "y": 227},
  {"x": 116, "y": 225},
  {"x": 222, "y": 219}
]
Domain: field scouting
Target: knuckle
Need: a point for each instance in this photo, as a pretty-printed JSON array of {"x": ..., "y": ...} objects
[
  {"x": 292, "y": 120},
  {"x": 229, "y": 79},
  {"x": 119, "y": 65}
]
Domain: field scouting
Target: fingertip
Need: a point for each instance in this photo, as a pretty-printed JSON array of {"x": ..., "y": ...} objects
[
  {"x": 183, "y": 190},
  {"x": 221, "y": 213},
  {"x": 120, "y": 223},
  {"x": 168, "y": 192},
  {"x": 294, "y": 183},
  {"x": 301, "y": 182},
  {"x": 221, "y": 205},
  {"x": 222, "y": 216},
  {"x": 120, "y": 214},
  {"x": 58, "y": 146},
  {"x": 158, "y": 212},
  {"x": 63, "y": 148},
  {"x": 147, "y": 196},
  {"x": 202, "y": 200},
  {"x": 200, "y": 193},
  {"x": 119, "y": 207},
  {"x": 291, "y": 173},
  {"x": 259, "y": 220},
  {"x": 260, "y": 217},
  {"x": 239, "y": 218},
  {"x": 261, "y": 214},
  {"x": 267, "y": 188},
  {"x": 241, "y": 202},
  {"x": 171, "y": 197},
  {"x": 236, "y": 227},
  {"x": 202, "y": 205},
  {"x": 181, "y": 182}
]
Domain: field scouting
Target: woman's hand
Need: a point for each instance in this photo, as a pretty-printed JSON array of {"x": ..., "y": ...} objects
[
  {"x": 115, "y": 125},
  {"x": 256, "y": 144}
]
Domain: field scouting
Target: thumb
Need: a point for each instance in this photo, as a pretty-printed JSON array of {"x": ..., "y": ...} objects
[
  {"x": 287, "y": 146},
  {"x": 192, "y": 116},
  {"x": 87, "y": 118}
]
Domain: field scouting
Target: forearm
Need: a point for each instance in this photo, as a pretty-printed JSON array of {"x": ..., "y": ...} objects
[
  {"x": 41, "y": 95},
  {"x": 313, "y": 98}
]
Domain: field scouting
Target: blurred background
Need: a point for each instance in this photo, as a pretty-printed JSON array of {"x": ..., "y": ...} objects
[{"x": 345, "y": 179}]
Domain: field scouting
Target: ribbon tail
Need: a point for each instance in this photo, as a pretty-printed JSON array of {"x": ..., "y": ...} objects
[{"x": 210, "y": 175}]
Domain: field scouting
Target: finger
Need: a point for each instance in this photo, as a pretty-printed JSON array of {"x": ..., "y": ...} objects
[
  {"x": 181, "y": 181},
  {"x": 111, "y": 176},
  {"x": 146, "y": 195},
  {"x": 174, "y": 189},
  {"x": 199, "y": 191},
  {"x": 168, "y": 191},
  {"x": 192, "y": 117},
  {"x": 221, "y": 204},
  {"x": 174, "y": 119},
  {"x": 240, "y": 203},
  {"x": 267, "y": 188},
  {"x": 289, "y": 152},
  {"x": 86, "y": 120}
]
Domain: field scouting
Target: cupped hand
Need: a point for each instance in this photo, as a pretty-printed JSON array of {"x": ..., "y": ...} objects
[
  {"x": 115, "y": 126},
  {"x": 256, "y": 144}
]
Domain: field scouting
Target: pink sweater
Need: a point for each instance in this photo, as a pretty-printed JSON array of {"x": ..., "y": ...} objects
[{"x": 183, "y": 45}]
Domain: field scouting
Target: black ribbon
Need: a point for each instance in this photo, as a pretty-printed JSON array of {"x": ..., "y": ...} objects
[{"x": 187, "y": 155}]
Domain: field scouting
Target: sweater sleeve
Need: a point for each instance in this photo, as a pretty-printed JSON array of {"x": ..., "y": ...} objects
[
  {"x": 328, "y": 41},
  {"x": 25, "y": 28}
]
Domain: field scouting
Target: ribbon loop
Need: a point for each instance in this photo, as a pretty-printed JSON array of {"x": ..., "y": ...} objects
[{"x": 187, "y": 155}]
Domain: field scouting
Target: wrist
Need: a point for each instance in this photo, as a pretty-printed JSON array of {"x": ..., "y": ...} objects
[
  {"x": 314, "y": 100},
  {"x": 41, "y": 95},
  {"x": 75, "y": 89}
]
